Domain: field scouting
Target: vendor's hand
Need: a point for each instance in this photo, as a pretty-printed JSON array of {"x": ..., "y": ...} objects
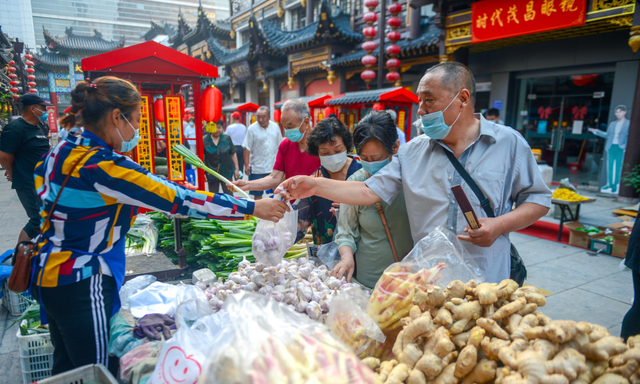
[
  {"x": 334, "y": 208},
  {"x": 345, "y": 266},
  {"x": 298, "y": 187},
  {"x": 236, "y": 174},
  {"x": 270, "y": 209},
  {"x": 486, "y": 235}
]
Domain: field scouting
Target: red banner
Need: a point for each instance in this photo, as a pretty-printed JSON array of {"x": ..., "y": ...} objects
[
  {"x": 53, "y": 119},
  {"x": 500, "y": 19}
]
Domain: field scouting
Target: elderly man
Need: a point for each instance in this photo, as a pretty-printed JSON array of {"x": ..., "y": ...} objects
[
  {"x": 497, "y": 157},
  {"x": 292, "y": 159},
  {"x": 260, "y": 148},
  {"x": 23, "y": 143}
]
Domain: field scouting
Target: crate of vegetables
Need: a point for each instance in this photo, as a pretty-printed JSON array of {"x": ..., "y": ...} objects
[
  {"x": 36, "y": 356},
  {"x": 15, "y": 303}
]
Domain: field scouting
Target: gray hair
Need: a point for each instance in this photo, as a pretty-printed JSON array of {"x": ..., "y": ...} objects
[
  {"x": 264, "y": 109},
  {"x": 298, "y": 106},
  {"x": 392, "y": 113},
  {"x": 455, "y": 77}
]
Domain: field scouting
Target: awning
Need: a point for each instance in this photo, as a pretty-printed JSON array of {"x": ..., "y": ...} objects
[
  {"x": 240, "y": 107},
  {"x": 398, "y": 95},
  {"x": 312, "y": 101}
]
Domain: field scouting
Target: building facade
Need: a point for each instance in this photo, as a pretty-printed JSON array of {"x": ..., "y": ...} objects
[{"x": 16, "y": 20}]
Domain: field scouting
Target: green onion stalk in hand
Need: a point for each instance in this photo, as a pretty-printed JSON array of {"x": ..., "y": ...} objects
[{"x": 194, "y": 160}]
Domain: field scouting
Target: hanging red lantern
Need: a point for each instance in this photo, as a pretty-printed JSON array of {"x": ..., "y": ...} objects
[
  {"x": 370, "y": 32},
  {"x": 378, "y": 107},
  {"x": 368, "y": 75},
  {"x": 13, "y": 76},
  {"x": 14, "y": 83},
  {"x": 394, "y": 8},
  {"x": 15, "y": 97},
  {"x": 393, "y": 50},
  {"x": 393, "y": 77},
  {"x": 28, "y": 62},
  {"x": 11, "y": 69},
  {"x": 393, "y": 63},
  {"x": 12, "y": 62},
  {"x": 158, "y": 110},
  {"x": 31, "y": 83},
  {"x": 28, "y": 56},
  {"x": 394, "y": 22},
  {"x": 14, "y": 89},
  {"x": 211, "y": 104},
  {"x": 276, "y": 115},
  {"x": 369, "y": 61},
  {"x": 371, "y": 4},
  {"x": 33, "y": 90},
  {"x": 31, "y": 77},
  {"x": 329, "y": 111},
  {"x": 370, "y": 17},
  {"x": 30, "y": 70},
  {"x": 393, "y": 36},
  {"x": 369, "y": 46}
]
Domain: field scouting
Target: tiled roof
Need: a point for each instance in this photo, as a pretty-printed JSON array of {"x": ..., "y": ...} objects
[
  {"x": 93, "y": 43},
  {"x": 41, "y": 76},
  {"x": 218, "y": 27},
  {"x": 51, "y": 59},
  {"x": 226, "y": 56},
  {"x": 219, "y": 82},
  {"x": 359, "y": 97},
  {"x": 278, "y": 72}
]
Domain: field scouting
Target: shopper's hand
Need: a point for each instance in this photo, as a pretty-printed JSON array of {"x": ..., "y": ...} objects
[
  {"x": 298, "y": 187},
  {"x": 345, "y": 266},
  {"x": 247, "y": 170},
  {"x": 9, "y": 176},
  {"x": 242, "y": 184},
  {"x": 236, "y": 174},
  {"x": 270, "y": 209},
  {"x": 334, "y": 208},
  {"x": 486, "y": 235}
]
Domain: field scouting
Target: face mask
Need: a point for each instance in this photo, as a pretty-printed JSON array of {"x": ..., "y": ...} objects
[
  {"x": 371, "y": 167},
  {"x": 294, "y": 134},
  {"x": 127, "y": 146},
  {"x": 433, "y": 124},
  {"x": 334, "y": 163},
  {"x": 44, "y": 116},
  {"x": 191, "y": 125}
]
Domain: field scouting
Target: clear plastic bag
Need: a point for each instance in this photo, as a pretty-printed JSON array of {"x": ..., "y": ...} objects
[
  {"x": 142, "y": 237},
  {"x": 304, "y": 222},
  {"x": 437, "y": 259},
  {"x": 348, "y": 319},
  {"x": 271, "y": 241},
  {"x": 329, "y": 254},
  {"x": 267, "y": 342},
  {"x": 134, "y": 285},
  {"x": 163, "y": 298}
]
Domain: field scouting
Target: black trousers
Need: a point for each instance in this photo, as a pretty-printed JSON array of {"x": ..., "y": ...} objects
[
  {"x": 31, "y": 203},
  {"x": 240, "y": 155},
  {"x": 631, "y": 321},
  {"x": 79, "y": 316}
]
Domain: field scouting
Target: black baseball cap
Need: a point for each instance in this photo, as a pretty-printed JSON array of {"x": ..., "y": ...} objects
[{"x": 33, "y": 99}]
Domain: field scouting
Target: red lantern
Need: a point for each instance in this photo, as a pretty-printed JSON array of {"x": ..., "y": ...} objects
[
  {"x": 30, "y": 70},
  {"x": 13, "y": 76},
  {"x": 28, "y": 56},
  {"x": 14, "y": 83},
  {"x": 31, "y": 83},
  {"x": 369, "y": 46},
  {"x": 15, "y": 97},
  {"x": 393, "y": 50},
  {"x": 329, "y": 111},
  {"x": 33, "y": 90},
  {"x": 28, "y": 62},
  {"x": 158, "y": 110},
  {"x": 12, "y": 62},
  {"x": 370, "y": 17},
  {"x": 371, "y": 4},
  {"x": 392, "y": 77},
  {"x": 394, "y": 22},
  {"x": 11, "y": 69},
  {"x": 15, "y": 90},
  {"x": 276, "y": 115},
  {"x": 369, "y": 60},
  {"x": 211, "y": 104},
  {"x": 378, "y": 107},
  {"x": 393, "y": 36},
  {"x": 394, "y": 8},
  {"x": 368, "y": 75},
  {"x": 370, "y": 32},
  {"x": 393, "y": 63},
  {"x": 31, "y": 77}
]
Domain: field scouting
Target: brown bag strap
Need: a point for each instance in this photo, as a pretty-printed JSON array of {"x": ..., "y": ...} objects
[
  {"x": 66, "y": 179},
  {"x": 386, "y": 228}
]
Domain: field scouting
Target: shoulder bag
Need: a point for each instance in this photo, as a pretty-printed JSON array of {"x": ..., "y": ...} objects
[
  {"x": 20, "y": 278},
  {"x": 518, "y": 270},
  {"x": 386, "y": 228}
]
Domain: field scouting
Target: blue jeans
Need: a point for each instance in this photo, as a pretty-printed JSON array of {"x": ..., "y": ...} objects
[{"x": 256, "y": 176}]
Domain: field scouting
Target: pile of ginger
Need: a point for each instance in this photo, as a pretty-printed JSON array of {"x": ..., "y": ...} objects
[{"x": 493, "y": 333}]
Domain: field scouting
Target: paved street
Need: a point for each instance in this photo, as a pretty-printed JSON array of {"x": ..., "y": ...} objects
[{"x": 581, "y": 286}]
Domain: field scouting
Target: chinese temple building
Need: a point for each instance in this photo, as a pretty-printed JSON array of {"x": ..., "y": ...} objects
[{"x": 58, "y": 64}]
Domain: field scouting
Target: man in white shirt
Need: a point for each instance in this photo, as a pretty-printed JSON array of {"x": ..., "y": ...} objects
[
  {"x": 401, "y": 136},
  {"x": 237, "y": 131},
  {"x": 261, "y": 147}
]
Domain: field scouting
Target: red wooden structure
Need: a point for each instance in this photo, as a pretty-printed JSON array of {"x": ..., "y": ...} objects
[
  {"x": 244, "y": 108},
  {"x": 316, "y": 105},
  {"x": 355, "y": 105},
  {"x": 158, "y": 70}
]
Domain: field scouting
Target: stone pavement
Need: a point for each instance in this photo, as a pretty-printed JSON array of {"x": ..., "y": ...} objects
[{"x": 581, "y": 286}]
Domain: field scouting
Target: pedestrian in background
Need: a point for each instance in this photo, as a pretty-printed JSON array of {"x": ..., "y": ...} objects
[
  {"x": 493, "y": 114},
  {"x": 23, "y": 143},
  {"x": 631, "y": 322},
  {"x": 261, "y": 148},
  {"x": 394, "y": 116},
  {"x": 220, "y": 155},
  {"x": 292, "y": 158},
  {"x": 237, "y": 131}
]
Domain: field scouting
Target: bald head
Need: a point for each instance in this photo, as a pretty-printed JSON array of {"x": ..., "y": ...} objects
[{"x": 454, "y": 77}]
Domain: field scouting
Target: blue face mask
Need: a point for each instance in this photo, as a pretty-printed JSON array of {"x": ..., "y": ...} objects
[
  {"x": 371, "y": 167},
  {"x": 294, "y": 134},
  {"x": 44, "y": 117},
  {"x": 433, "y": 124},
  {"x": 127, "y": 146}
]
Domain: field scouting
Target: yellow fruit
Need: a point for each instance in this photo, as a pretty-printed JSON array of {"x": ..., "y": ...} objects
[{"x": 567, "y": 195}]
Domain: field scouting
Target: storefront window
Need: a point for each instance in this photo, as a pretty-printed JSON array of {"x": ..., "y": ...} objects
[{"x": 555, "y": 115}]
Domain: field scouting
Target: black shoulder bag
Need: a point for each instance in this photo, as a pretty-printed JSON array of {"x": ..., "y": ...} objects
[{"x": 518, "y": 270}]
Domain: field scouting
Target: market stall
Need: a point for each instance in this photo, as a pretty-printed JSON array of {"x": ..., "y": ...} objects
[
  {"x": 247, "y": 112},
  {"x": 159, "y": 73},
  {"x": 316, "y": 104},
  {"x": 353, "y": 106}
]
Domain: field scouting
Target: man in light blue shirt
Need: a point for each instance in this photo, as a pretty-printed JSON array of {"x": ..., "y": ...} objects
[{"x": 497, "y": 157}]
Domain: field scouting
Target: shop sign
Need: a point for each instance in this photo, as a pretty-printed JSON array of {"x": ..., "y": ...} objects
[
  {"x": 598, "y": 95},
  {"x": 241, "y": 71},
  {"x": 501, "y": 19},
  {"x": 143, "y": 149},
  {"x": 173, "y": 116},
  {"x": 401, "y": 118},
  {"x": 53, "y": 126}
]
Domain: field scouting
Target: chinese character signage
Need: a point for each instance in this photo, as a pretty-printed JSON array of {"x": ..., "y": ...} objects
[
  {"x": 52, "y": 119},
  {"x": 143, "y": 149},
  {"x": 501, "y": 19},
  {"x": 174, "y": 137}
]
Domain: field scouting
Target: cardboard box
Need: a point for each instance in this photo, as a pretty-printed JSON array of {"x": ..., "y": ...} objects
[
  {"x": 598, "y": 244},
  {"x": 620, "y": 225},
  {"x": 579, "y": 238},
  {"x": 620, "y": 244}
]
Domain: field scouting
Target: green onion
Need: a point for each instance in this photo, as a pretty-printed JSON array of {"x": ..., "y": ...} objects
[{"x": 194, "y": 160}]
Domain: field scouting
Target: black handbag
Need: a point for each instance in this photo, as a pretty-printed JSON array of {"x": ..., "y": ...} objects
[{"x": 518, "y": 270}]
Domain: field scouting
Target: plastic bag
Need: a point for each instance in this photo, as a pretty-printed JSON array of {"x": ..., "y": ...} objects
[
  {"x": 329, "y": 254},
  {"x": 134, "y": 285},
  {"x": 142, "y": 237},
  {"x": 162, "y": 298},
  {"x": 565, "y": 183},
  {"x": 183, "y": 356},
  {"x": 267, "y": 342},
  {"x": 304, "y": 221},
  {"x": 132, "y": 358},
  {"x": 348, "y": 319},
  {"x": 271, "y": 241},
  {"x": 437, "y": 259}
]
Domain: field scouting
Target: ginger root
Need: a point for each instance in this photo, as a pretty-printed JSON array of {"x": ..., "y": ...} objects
[
  {"x": 371, "y": 362},
  {"x": 410, "y": 355},
  {"x": 611, "y": 378},
  {"x": 509, "y": 309},
  {"x": 484, "y": 371},
  {"x": 385, "y": 369},
  {"x": 398, "y": 374},
  {"x": 462, "y": 314},
  {"x": 416, "y": 377},
  {"x": 558, "y": 331},
  {"x": 466, "y": 361},
  {"x": 420, "y": 327},
  {"x": 447, "y": 376},
  {"x": 604, "y": 348},
  {"x": 492, "y": 327}
]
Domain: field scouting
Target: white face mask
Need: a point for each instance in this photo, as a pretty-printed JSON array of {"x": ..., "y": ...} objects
[{"x": 334, "y": 163}]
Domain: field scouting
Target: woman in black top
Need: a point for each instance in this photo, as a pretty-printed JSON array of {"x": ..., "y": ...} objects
[{"x": 631, "y": 322}]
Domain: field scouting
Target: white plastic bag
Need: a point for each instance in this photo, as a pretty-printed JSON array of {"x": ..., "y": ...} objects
[
  {"x": 162, "y": 298},
  {"x": 348, "y": 319},
  {"x": 184, "y": 355},
  {"x": 134, "y": 285},
  {"x": 271, "y": 241},
  {"x": 266, "y": 342}
]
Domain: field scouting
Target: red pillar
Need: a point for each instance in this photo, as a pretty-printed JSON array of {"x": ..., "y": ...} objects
[{"x": 197, "y": 111}]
